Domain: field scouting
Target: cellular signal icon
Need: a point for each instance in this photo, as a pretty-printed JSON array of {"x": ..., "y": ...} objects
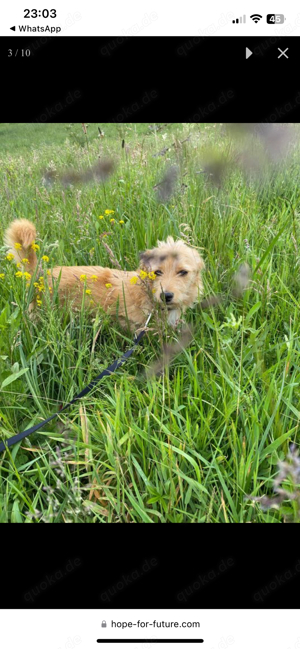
[
  {"x": 242, "y": 19},
  {"x": 256, "y": 18}
]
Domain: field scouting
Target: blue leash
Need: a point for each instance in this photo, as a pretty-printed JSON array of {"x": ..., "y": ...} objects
[{"x": 109, "y": 370}]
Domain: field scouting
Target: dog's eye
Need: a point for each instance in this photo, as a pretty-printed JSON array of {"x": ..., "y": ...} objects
[
  {"x": 182, "y": 272},
  {"x": 158, "y": 273}
]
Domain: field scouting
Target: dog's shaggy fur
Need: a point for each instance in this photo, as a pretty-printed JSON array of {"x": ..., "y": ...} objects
[{"x": 177, "y": 284}]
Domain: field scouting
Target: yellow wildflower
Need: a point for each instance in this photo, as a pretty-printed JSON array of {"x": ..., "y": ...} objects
[
  {"x": 48, "y": 272},
  {"x": 82, "y": 278},
  {"x": 45, "y": 258},
  {"x": 25, "y": 261},
  {"x": 112, "y": 220},
  {"x": 153, "y": 290},
  {"x": 101, "y": 216},
  {"x": 19, "y": 264},
  {"x": 41, "y": 279},
  {"x": 121, "y": 221},
  {"x": 133, "y": 280},
  {"x": 109, "y": 212},
  {"x": 152, "y": 275},
  {"x": 39, "y": 302},
  {"x": 35, "y": 246},
  {"x": 2, "y": 275},
  {"x": 19, "y": 273},
  {"x": 18, "y": 246},
  {"x": 94, "y": 278},
  {"x": 50, "y": 289},
  {"x": 27, "y": 275},
  {"x": 143, "y": 274},
  {"x": 35, "y": 284},
  {"x": 10, "y": 256},
  {"x": 108, "y": 285},
  {"x": 92, "y": 302},
  {"x": 88, "y": 291}
]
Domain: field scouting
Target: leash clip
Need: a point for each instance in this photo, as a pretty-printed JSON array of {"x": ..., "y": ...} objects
[{"x": 149, "y": 316}]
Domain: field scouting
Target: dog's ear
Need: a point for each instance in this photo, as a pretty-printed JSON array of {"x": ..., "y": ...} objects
[
  {"x": 199, "y": 262},
  {"x": 145, "y": 258}
]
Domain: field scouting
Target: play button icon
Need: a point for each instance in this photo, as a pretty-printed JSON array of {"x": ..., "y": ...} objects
[{"x": 248, "y": 53}]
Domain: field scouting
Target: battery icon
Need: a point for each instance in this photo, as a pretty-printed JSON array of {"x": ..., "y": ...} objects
[{"x": 275, "y": 19}]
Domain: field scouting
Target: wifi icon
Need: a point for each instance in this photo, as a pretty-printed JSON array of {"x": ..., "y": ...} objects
[{"x": 256, "y": 18}]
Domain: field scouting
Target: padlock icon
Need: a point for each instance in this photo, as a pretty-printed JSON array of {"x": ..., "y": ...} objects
[{"x": 103, "y": 624}]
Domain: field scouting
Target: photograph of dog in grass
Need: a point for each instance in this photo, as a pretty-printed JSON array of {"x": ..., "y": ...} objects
[
  {"x": 173, "y": 270},
  {"x": 101, "y": 226}
]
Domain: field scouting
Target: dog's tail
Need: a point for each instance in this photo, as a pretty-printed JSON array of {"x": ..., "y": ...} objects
[{"x": 20, "y": 237}]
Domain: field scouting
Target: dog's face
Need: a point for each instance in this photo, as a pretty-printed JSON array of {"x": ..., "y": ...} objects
[{"x": 177, "y": 267}]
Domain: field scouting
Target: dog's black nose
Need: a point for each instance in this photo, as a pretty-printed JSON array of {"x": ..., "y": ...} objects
[{"x": 166, "y": 297}]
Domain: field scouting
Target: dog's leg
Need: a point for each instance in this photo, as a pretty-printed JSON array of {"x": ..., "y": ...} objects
[{"x": 32, "y": 312}]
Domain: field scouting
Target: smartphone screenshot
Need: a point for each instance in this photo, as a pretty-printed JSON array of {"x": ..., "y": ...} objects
[{"x": 149, "y": 325}]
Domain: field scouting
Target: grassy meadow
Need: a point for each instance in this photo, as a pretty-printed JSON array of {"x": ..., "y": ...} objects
[{"x": 192, "y": 444}]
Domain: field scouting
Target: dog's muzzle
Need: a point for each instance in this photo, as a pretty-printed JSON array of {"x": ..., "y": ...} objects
[{"x": 166, "y": 297}]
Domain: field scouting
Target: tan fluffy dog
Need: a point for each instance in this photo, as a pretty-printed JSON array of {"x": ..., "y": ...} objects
[{"x": 174, "y": 267}]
